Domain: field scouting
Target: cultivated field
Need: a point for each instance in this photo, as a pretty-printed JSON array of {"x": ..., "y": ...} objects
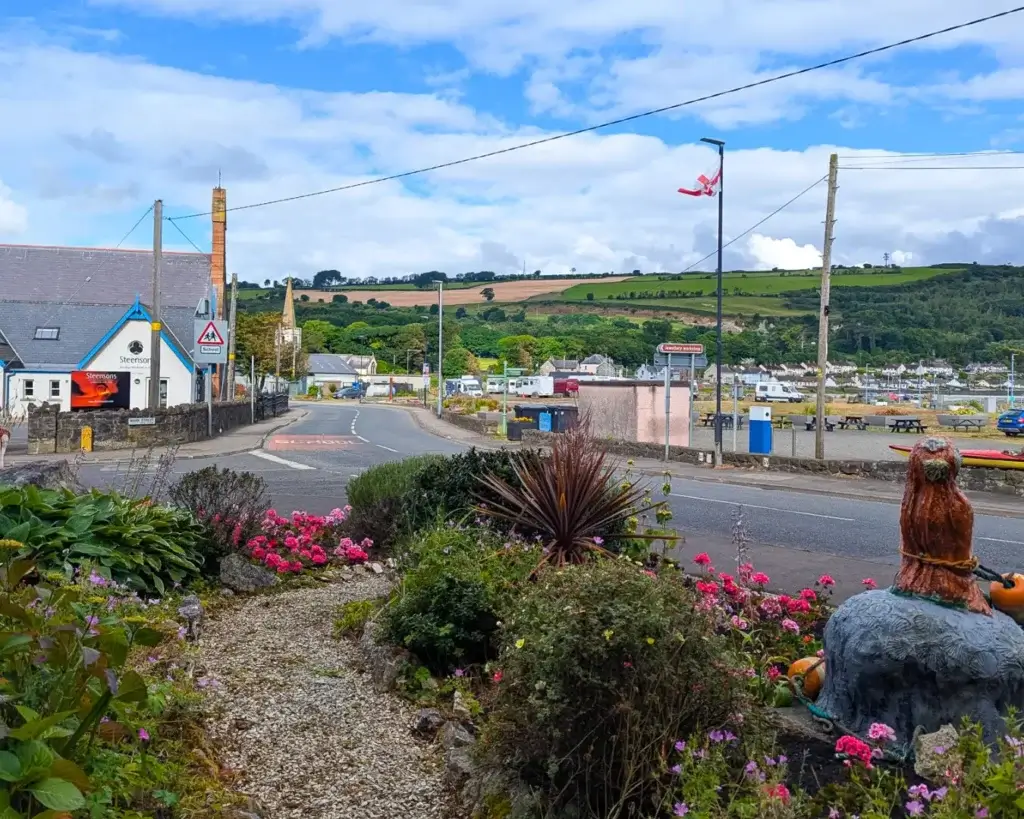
[{"x": 503, "y": 292}]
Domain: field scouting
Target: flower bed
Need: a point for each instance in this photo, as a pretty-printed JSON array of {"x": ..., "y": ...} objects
[{"x": 304, "y": 541}]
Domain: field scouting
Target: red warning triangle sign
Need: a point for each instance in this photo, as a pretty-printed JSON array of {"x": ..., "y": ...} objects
[{"x": 211, "y": 336}]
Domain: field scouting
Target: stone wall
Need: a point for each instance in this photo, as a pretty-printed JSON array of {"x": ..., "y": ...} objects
[
  {"x": 470, "y": 422},
  {"x": 1001, "y": 481},
  {"x": 50, "y": 430}
]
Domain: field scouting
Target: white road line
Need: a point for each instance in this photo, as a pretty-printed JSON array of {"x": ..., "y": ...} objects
[
  {"x": 767, "y": 508},
  {"x": 259, "y": 453},
  {"x": 389, "y": 449},
  {"x": 353, "y": 427},
  {"x": 1000, "y": 540},
  {"x": 361, "y": 438}
]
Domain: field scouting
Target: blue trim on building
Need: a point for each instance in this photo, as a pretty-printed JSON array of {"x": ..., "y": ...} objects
[{"x": 135, "y": 313}]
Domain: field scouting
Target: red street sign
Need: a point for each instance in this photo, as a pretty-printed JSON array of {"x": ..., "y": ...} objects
[{"x": 681, "y": 349}]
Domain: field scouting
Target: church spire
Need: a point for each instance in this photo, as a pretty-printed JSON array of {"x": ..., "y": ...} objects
[{"x": 288, "y": 314}]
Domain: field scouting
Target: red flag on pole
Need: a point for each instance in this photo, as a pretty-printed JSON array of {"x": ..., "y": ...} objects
[{"x": 707, "y": 186}]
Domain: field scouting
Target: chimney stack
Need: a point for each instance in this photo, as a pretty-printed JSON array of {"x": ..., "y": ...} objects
[{"x": 218, "y": 262}]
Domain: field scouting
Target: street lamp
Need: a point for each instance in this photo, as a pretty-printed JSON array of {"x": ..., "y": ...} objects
[
  {"x": 718, "y": 326},
  {"x": 440, "y": 345}
]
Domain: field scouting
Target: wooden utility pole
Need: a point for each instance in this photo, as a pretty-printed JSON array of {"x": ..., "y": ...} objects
[
  {"x": 228, "y": 390},
  {"x": 823, "y": 313},
  {"x": 154, "y": 319},
  {"x": 278, "y": 341}
]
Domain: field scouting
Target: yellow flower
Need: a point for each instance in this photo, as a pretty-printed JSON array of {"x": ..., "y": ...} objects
[
  {"x": 520, "y": 642},
  {"x": 13, "y": 545},
  {"x": 608, "y": 634},
  {"x": 650, "y": 641},
  {"x": 96, "y": 599}
]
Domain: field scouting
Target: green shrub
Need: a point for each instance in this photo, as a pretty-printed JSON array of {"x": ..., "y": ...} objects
[
  {"x": 456, "y": 585},
  {"x": 602, "y": 667},
  {"x": 229, "y": 504},
  {"x": 352, "y": 617},
  {"x": 383, "y": 500},
  {"x": 145, "y": 546}
]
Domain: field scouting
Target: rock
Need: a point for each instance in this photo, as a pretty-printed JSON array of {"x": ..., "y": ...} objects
[
  {"x": 384, "y": 662},
  {"x": 359, "y": 569},
  {"x": 936, "y": 753},
  {"x": 241, "y": 575},
  {"x": 911, "y": 663},
  {"x": 458, "y": 767},
  {"x": 191, "y": 610},
  {"x": 376, "y": 568},
  {"x": 459, "y": 707},
  {"x": 454, "y": 735},
  {"x": 428, "y": 722},
  {"x": 44, "y": 474},
  {"x": 226, "y": 592}
]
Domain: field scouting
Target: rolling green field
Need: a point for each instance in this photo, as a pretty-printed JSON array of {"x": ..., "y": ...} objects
[{"x": 754, "y": 283}]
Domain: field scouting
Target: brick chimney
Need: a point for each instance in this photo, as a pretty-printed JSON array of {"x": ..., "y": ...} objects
[{"x": 218, "y": 262}]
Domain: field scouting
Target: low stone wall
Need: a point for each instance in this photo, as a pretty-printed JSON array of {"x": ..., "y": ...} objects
[
  {"x": 470, "y": 422},
  {"x": 50, "y": 430},
  {"x": 1001, "y": 481}
]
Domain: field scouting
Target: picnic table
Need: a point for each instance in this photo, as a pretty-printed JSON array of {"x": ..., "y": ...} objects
[
  {"x": 907, "y": 425},
  {"x": 781, "y": 421},
  {"x": 848, "y": 421},
  {"x": 708, "y": 419},
  {"x": 967, "y": 423},
  {"x": 813, "y": 422}
]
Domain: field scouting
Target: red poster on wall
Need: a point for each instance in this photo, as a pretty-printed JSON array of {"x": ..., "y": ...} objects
[{"x": 91, "y": 390}]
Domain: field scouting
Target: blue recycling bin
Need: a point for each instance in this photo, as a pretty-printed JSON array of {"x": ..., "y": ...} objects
[
  {"x": 760, "y": 431},
  {"x": 545, "y": 422}
]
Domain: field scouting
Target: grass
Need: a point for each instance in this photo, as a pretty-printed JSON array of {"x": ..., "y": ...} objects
[
  {"x": 754, "y": 283},
  {"x": 731, "y": 305}
]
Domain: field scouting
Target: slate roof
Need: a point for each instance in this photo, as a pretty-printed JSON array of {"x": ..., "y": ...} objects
[
  {"x": 330, "y": 364},
  {"x": 82, "y": 327},
  {"x": 58, "y": 274}
]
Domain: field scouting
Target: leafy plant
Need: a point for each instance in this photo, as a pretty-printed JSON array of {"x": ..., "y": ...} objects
[
  {"x": 383, "y": 500},
  {"x": 138, "y": 543},
  {"x": 229, "y": 504},
  {"x": 353, "y": 616},
  {"x": 602, "y": 668},
  {"x": 572, "y": 498}
]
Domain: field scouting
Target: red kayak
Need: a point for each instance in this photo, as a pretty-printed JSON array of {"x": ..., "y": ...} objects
[{"x": 987, "y": 458}]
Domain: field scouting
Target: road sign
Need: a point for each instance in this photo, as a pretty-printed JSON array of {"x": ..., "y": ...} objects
[
  {"x": 426, "y": 368},
  {"x": 681, "y": 349},
  {"x": 210, "y": 346},
  {"x": 681, "y": 361}
]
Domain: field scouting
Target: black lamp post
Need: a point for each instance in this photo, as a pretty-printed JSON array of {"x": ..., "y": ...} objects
[{"x": 718, "y": 327}]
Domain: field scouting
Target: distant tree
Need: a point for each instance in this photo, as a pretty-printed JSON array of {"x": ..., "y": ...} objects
[
  {"x": 382, "y": 305},
  {"x": 426, "y": 280},
  {"x": 590, "y": 296},
  {"x": 433, "y": 310},
  {"x": 327, "y": 278},
  {"x": 461, "y": 313},
  {"x": 303, "y": 297},
  {"x": 488, "y": 293},
  {"x": 266, "y": 282},
  {"x": 459, "y": 361},
  {"x": 340, "y": 298}
]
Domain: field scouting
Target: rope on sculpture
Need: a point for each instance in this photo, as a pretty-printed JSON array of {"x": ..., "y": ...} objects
[
  {"x": 900, "y": 754},
  {"x": 968, "y": 566},
  {"x": 988, "y": 574}
]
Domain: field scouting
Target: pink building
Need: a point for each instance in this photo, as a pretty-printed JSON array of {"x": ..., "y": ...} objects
[{"x": 635, "y": 410}]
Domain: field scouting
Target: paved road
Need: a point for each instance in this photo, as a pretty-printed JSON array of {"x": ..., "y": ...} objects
[{"x": 308, "y": 464}]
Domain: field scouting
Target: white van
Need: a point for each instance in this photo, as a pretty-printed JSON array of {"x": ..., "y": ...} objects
[{"x": 774, "y": 391}]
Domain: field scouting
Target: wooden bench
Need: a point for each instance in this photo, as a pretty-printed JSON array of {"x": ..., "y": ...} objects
[
  {"x": 848, "y": 421},
  {"x": 907, "y": 425}
]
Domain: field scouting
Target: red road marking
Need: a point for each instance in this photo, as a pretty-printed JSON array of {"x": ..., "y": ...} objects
[{"x": 309, "y": 442}]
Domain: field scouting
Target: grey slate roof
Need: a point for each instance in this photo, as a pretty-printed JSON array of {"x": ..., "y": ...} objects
[
  {"x": 58, "y": 274},
  {"x": 82, "y": 327},
  {"x": 330, "y": 364}
]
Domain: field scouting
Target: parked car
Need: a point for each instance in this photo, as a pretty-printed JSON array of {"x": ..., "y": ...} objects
[
  {"x": 355, "y": 391},
  {"x": 1011, "y": 422},
  {"x": 774, "y": 391}
]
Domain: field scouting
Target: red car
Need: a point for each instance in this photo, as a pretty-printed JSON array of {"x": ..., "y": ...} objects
[{"x": 566, "y": 386}]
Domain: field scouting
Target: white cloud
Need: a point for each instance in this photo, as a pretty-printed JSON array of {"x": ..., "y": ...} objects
[
  {"x": 782, "y": 253},
  {"x": 13, "y": 217},
  {"x": 902, "y": 257},
  {"x": 90, "y": 140}
]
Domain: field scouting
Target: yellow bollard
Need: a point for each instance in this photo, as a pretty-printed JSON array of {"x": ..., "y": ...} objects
[{"x": 86, "y": 439}]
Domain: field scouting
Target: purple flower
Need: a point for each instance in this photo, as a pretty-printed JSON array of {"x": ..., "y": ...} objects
[
  {"x": 681, "y": 809},
  {"x": 938, "y": 794},
  {"x": 699, "y": 753},
  {"x": 981, "y": 813},
  {"x": 914, "y": 808},
  {"x": 676, "y": 769},
  {"x": 144, "y": 735},
  {"x": 716, "y": 736},
  {"x": 680, "y": 745},
  {"x": 599, "y": 541},
  {"x": 783, "y": 759},
  {"x": 460, "y": 672},
  {"x": 833, "y": 813}
]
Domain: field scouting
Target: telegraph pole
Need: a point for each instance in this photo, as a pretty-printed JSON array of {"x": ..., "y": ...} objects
[
  {"x": 154, "y": 340},
  {"x": 440, "y": 347},
  {"x": 823, "y": 313},
  {"x": 228, "y": 384}
]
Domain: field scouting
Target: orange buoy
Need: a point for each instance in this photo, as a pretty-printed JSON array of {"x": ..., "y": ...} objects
[
  {"x": 812, "y": 669},
  {"x": 1009, "y": 601}
]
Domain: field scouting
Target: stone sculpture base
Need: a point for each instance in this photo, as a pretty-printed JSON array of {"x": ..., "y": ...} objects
[{"x": 907, "y": 662}]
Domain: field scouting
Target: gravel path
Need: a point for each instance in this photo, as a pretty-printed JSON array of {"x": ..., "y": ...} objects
[{"x": 304, "y": 730}]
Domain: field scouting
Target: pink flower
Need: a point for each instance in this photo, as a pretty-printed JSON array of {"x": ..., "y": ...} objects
[
  {"x": 826, "y": 581},
  {"x": 780, "y": 792},
  {"x": 497, "y": 677},
  {"x": 791, "y": 625},
  {"x": 854, "y": 748},
  {"x": 703, "y": 559},
  {"x": 809, "y": 595},
  {"x": 869, "y": 583},
  {"x": 773, "y": 673},
  {"x": 880, "y": 732},
  {"x": 144, "y": 735},
  {"x": 707, "y": 587},
  {"x": 739, "y": 622},
  {"x": 760, "y": 579}
]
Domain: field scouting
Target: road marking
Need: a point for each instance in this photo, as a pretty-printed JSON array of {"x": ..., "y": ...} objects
[
  {"x": 259, "y": 453},
  {"x": 361, "y": 438},
  {"x": 767, "y": 508},
  {"x": 389, "y": 449},
  {"x": 354, "y": 418},
  {"x": 1000, "y": 540}
]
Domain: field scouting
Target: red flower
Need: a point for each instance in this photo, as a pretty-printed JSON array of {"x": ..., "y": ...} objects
[
  {"x": 854, "y": 748},
  {"x": 707, "y": 587},
  {"x": 809, "y": 594},
  {"x": 826, "y": 581},
  {"x": 497, "y": 677},
  {"x": 869, "y": 583},
  {"x": 702, "y": 559}
]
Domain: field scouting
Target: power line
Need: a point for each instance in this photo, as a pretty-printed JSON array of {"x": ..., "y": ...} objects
[
  {"x": 920, "y": 157},
  {"x": 187, "y": 238},
  {"x": 756, "y": 225},
  {"x": 622, "y": 120},
  {"x": 130, "y": 232},
  {"x": 933, "y": 168}
]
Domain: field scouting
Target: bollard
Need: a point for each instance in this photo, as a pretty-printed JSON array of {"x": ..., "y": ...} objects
[
  {"x": 86, "y": 439},
  {"x": 793, "y": 447}
]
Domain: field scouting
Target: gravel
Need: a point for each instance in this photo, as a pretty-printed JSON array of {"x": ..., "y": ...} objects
[{"x": 301, "y": 727}]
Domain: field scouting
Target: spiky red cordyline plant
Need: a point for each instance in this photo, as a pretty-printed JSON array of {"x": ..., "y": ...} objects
[{"x": 570, "y": 497}]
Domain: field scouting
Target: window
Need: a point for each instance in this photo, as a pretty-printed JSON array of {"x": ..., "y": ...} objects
[
  {"x": 163, "y": 393},
  {"x": 29, "y": 388},
  {"x": 47, "y": 333},
  {"x": 55, "y": 389}
]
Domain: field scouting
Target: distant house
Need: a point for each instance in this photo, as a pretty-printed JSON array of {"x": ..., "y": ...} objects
[
  {"x": 364, "y": 365},
  {"x": 330, "y": 368},
  {"x": 558, "y": 365},
  {"x": 599, "y": 365}
]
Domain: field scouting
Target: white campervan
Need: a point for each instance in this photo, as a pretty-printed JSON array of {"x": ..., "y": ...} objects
[{"x": 774, "y": 391}]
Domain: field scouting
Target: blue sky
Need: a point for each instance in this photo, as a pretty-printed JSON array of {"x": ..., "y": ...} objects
[{"x": 116, "y": 102}]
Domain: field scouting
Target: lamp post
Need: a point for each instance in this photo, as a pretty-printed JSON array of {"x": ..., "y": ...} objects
[
  {"x": 718, "y": 326},
  {"x": 440, "y": 346}
]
